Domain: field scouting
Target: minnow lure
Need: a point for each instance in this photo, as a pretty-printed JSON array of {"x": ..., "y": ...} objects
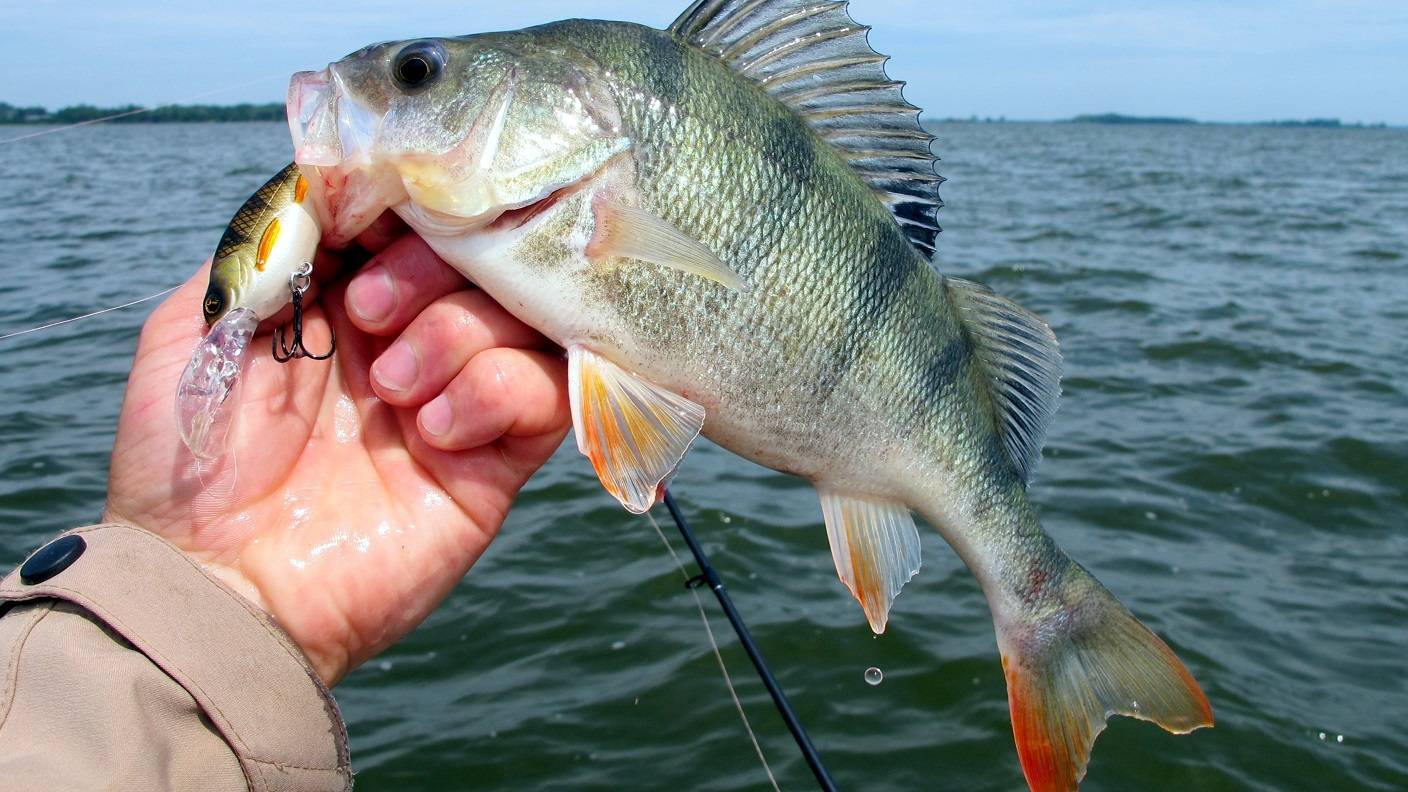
[{"x": 263, "y": 262}]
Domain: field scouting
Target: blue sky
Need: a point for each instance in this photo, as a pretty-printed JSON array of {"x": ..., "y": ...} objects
[{"x": 1216, "y": 60}]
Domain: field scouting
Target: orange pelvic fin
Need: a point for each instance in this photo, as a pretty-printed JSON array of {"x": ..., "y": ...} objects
[
  {"x": 1069, "y": 671},
  {"x": 876, "y": 549},
  {"x": 634, "y": 432}
]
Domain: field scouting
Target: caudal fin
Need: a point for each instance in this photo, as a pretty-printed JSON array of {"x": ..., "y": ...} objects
[{"x": 1074, "y": 666}]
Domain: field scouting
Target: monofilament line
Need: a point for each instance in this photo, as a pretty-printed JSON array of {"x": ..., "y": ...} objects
[
  {"x": 714, "y": 644},
  {"x": 87, "y": 315}
]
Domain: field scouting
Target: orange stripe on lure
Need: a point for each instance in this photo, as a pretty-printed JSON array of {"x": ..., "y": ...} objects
[{"x": 267, "y": 242}]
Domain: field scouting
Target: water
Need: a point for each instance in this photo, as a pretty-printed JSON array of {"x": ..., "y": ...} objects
[{"x": 1230, "y": 458}]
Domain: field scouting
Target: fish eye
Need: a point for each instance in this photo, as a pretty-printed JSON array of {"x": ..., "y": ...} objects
[
  {"x": 214, "y": 303},
  {"x": 417, "y": 66}
]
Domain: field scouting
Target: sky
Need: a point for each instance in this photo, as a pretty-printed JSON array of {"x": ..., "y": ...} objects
[{"x": 1216, "y": 60}]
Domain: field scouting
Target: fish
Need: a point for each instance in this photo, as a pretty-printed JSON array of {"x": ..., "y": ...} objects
[
  {"x": 265, "y": 247},
  {"x": 268, "y": 239},
  {"x": 729, "y": 226}
]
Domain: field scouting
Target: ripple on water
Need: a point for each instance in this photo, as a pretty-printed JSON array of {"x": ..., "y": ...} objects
[{"x": 1234, "y": 368}]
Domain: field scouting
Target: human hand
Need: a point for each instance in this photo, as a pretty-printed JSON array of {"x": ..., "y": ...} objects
[{"x": 354, "y": 493}]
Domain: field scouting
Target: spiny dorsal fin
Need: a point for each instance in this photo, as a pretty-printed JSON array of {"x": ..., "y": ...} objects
[
  {"x": 1023, "y": 363},
  {"x": 813, "y": 57}
]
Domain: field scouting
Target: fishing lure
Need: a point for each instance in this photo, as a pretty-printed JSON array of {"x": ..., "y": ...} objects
[{"x": 263, "y": 262}]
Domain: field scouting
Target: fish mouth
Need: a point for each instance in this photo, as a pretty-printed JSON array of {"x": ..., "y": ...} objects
[
  {"x": 354, "y": 175},
  {"x": 334, "y": 139}
]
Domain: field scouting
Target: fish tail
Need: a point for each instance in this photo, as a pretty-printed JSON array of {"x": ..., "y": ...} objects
[{"x": 1073, "y": 655}]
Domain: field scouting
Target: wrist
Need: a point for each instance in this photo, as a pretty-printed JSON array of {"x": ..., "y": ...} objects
[{"x": 330, "y": 665}]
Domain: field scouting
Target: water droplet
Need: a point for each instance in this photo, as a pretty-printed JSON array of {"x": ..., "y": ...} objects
[
  {"x": 1150, "y": 516},
  {"x": 618, "y": 645},
  {"x": 1322, "y": 736},
  {"x": 874, "y": 676},
  {"x": 1339, "y": 738}
]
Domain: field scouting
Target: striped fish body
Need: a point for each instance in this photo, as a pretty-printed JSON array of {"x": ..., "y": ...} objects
[
  {"x": 842, "y": 361},
  {"x": 726, "y": 224}
]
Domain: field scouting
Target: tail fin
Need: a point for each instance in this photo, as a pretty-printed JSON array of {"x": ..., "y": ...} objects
[{"x": 1071, "y": 668}]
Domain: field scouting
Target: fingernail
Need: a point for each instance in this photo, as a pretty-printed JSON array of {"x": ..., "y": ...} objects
[
  {"x": 397, "y": 368},
  {"x": 372, "y": 295},
  {"x": 436, "y": 416}
]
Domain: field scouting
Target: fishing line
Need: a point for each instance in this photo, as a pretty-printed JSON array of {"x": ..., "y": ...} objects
[
  {"x": 714, "y": 644},
  {"x": 140, "y": 110},
  {"x": 88, "y": 315},
  {"x": 710, "y": 577}
]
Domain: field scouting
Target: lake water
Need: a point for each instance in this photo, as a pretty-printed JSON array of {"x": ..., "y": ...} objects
[{"x": 1230, "y": 458}]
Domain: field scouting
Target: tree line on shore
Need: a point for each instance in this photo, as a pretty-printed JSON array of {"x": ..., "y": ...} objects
[{"x": 75, "y": 114}]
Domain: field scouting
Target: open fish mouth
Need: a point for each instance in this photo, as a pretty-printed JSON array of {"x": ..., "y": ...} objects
[{"x": 334, "y": 139}]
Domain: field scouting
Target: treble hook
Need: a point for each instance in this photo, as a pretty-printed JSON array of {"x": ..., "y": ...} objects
[{"x": 298, "y": 283}]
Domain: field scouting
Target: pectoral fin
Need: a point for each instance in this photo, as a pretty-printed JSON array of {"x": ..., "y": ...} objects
[
  {"x": 876, "y": 549},
  {"x": 634, "y": 432},
  {"x": 627, "y": 232}
]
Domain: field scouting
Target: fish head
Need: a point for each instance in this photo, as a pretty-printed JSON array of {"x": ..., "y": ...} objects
[
  {"x": 223, "y": 290},
  {"x": 460, "y": 129}
]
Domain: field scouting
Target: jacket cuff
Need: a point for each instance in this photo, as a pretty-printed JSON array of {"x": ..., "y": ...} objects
[{"x": 245, "y": 673}]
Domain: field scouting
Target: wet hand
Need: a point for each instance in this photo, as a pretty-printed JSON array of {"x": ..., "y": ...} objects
[{"x": 354, "y": 493}]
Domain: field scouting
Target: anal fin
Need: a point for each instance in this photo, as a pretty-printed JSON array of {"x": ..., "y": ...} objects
[
  {"x": 634, "y": 432},
  {"x": 876, "y": 549}
]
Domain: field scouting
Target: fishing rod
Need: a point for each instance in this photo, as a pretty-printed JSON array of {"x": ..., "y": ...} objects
[{"x": 709, "y": 576}]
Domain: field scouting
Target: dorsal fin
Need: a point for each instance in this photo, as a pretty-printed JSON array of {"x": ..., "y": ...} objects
[
  {"x": 814, "y": 58},
  {"x": 1023, "y": 363}
]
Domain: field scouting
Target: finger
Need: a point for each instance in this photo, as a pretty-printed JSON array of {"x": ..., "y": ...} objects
[
  {"x": 441, "y": 340},
  {"x": 500, "y": 393},
  {"x": 397, "y": 284},
  {"x": 382, "y": 232}
]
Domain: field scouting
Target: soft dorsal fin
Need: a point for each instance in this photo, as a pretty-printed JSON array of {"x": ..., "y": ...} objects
[
  {"x": 814, "y": 58},
  {"x": 1023, "y": 363}
]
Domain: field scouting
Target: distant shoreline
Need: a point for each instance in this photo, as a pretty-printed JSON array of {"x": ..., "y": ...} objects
[
  {"x": 136, "y": 114},
  {"x": 274, "y": 111},
  {"x": 1119, "y": 119}
]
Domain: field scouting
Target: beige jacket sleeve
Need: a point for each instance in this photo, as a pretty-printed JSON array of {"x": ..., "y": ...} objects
[{"x": 124, "y": 666}]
